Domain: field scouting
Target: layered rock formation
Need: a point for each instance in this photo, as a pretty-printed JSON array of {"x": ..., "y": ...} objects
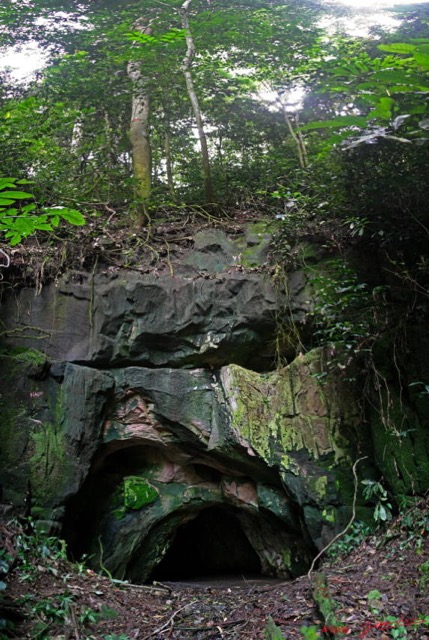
[{"x": 149, "y": 416}]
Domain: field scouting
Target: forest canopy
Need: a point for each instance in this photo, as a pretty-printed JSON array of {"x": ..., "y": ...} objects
[{"x": 149, "y": 104}]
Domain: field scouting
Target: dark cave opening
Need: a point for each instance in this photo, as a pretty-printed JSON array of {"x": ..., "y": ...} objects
[{"x": 212, "y": 544}]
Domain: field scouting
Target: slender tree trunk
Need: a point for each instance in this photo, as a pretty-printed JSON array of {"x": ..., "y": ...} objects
[
  {"x": 76, "y": 145},
  {"x": 298, "y": 139},
  {"x": 140, "y": 125},
  {"x": 77, "y": 135},
  {"x": 186, "y": 68},
  {"x": 169, "y": 163}
]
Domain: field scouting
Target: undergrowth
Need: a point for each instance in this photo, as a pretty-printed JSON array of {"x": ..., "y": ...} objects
[{"x": 37, "y": 553}]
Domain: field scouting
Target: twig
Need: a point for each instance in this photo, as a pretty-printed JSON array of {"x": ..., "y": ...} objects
[
  {"x": 161, "y": 585},
  {"x": 157, "y": 586},
  {"x": 73, "y": 618},
  {"x": 169, "y": 621},
  {"x": 218, "y": 626},
  {"x": 310, "y": 571}
]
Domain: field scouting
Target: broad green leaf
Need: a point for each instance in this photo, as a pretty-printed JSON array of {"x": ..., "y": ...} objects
[
  {"x": 69, "y": 215},
  {"x": 422, "y": 59},
  {"x": 16, "y": 195},
  {"x": 397, "y": 47},
  {"x": 368, "y": 85},
  {"x": 27, "y": 208},
  {"x": 423, "y": 48},
  {"x": 407, "y": 89},
  {"x": 15, "y": 238},
  {"x": 397, "y": 76},
  {"x": 383, "y": 109},
  {"x": 419, "y": 110},
  {"x": 380, "y": 513},
  {"x": 43, "y": 226},
  {"x": 5, "y": 201},
  {"x": 7, "y": 183},
  {"x": 341, "y": 121}
]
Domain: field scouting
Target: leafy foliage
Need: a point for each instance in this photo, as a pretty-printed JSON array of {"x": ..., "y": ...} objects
[
  {"x": 342, "y": 310},
  {"x": 350, "y": 540},
  {"x": 18, "y": 222},
  {"x": 374, "y": 491},
  {"x": 272, "y": 631}
]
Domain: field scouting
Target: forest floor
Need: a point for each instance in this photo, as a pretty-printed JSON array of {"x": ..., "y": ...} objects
[
  {"x": 114, "y": 244},
  {"x": 379, "y": 590}
]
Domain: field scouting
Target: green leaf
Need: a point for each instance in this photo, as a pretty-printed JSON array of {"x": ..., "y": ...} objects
[
  {"x": 7, "y": 183},
  {"x": 336, "y": 123},
  {"x": 15, "y": 238},
  {"x": 423, "y": 48},
  {"x": 383, "y": 109},
  {"x": 27, "y": 208},
  {"x": 397, "y": 47},
  {"x": 407, "y": 89},
  {"x": 43, "y": 226},
  {"x": 380, "y": 513},
  {"x": 72, "y": 216},
  {"x": 422, "y": 59},
  {"x": 397, "y": 76},
  {"x": 16, "y": 195},
  {"x": 272, "y": 631}
]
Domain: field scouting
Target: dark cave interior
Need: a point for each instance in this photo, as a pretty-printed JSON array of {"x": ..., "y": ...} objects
[
  {"x": 205, "y": 538},
  {"x": 212, "y": 544}
]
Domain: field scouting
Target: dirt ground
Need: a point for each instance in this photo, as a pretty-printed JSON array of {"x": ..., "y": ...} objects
[{"x": 380, "y": 590}]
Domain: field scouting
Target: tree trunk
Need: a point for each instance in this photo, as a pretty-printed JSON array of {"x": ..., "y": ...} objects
[
  {"x": 297, "y": 138},
  {"x": 169, "y": 164},
  {"x": 186, "y": 68},
  {"x": 140, "y": 125}
]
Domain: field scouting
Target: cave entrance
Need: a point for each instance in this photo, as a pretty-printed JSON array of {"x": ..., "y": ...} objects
[{"x": 212, "y": 544}]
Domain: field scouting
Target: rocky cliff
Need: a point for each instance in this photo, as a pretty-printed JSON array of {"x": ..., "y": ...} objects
[{"x": 175, "y": 421}]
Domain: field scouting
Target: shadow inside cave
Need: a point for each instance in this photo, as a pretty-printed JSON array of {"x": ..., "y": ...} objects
[
  {"x": 213, "y": 544},
  {"x": 202, "y": 522}
]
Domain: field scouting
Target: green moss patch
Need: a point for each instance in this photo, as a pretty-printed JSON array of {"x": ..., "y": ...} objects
[{"x": 134, "y": 493}]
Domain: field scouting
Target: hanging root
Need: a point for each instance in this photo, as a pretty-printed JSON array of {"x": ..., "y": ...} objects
[
  {"x": 6, "y": 264},
  {"x": 349, "y": 523}
]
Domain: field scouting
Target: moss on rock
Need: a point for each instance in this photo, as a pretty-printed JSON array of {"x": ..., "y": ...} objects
[
  {"x": 401, "y": 447},
  {"x": 133, "y": 494},
  {"x": 138, "y": 492},
  {"x": 290, "y": 411},
  {"x": 302, "y": 427}
]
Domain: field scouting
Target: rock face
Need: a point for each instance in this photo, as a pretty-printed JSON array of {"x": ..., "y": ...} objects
[
  {"x": 148, "y": 416},
  {"x": 126, "y": 318}
]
